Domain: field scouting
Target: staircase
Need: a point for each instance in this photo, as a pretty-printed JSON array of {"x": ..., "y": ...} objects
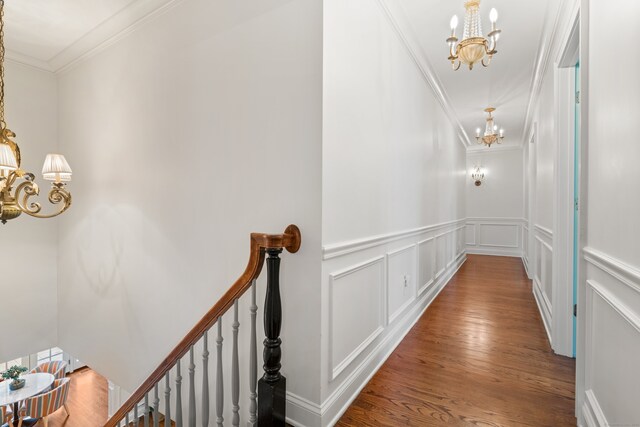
[{"x": 166, "y": 395}]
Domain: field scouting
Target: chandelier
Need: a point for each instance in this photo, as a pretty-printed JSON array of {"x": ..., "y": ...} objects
[
  {"x": 55, "y": 169},
  {"x": 491, "y": 133},
  {"x": 473, "y": 47}
]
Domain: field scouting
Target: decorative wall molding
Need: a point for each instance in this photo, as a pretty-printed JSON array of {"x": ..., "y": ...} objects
[
  {"x": 543, "y": 231},
  {"x": 403, "y": 29},
  {"x": 391, "y": 316},
  {"x": 430, "y": 258},
  {"x": 337, "y": 366},
  {"x": 625, "y": 273},
  {"x": 483, "y": 242},
  {"x": 592, "y": 412},
  {"x": 625, "y": 312},
  {"x": 351, "y": 246},
  {"x": 340, "y": 399},
  {"x": 544, "y": 307}
]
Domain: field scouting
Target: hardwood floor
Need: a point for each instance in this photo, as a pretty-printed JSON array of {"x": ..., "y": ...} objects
[
  {"x": 479, "y": 356},
  {"x": 87, "y": 401}
]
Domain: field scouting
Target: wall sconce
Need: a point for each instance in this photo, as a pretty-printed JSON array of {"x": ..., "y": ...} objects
[{"x": 477, "y": 175}]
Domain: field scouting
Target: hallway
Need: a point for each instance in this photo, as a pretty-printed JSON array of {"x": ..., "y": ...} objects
[{"x": 478, "y": 356}]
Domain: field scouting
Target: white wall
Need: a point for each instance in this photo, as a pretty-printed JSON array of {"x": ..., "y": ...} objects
[
  {"x": 611, "y": 302},
  {"x": 541, "y": 179},
  {"x": 194, "y": 130},
  {"x": 393, "y": 198},
  {"x": 495, "y": 208},
  {"x": 28, "y": 287}
]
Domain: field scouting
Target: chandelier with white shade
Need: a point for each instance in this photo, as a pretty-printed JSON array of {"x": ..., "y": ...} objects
[
  {"x": 492, "y": 134},
  {"x": 55, "y": 169},
  {"x": 473, "y": 47}
]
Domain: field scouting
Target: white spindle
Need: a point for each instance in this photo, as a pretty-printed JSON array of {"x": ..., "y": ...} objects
[
  {"x": 178, "y": 394},
  {"x": 167, "y": 401},
  {"x": 253, "y": 362},
  {"x": 156, "y": 407},
  {"x": 205, "y": 382},
  {"x": 192, "y": 390},
  {"x": 136, "y": 419},
  {"x": 126, "y": 419},
  {"x": 235, "y": 369},
  {"x": 146, "y": 410},
  {"x": 219, "y": 384}
]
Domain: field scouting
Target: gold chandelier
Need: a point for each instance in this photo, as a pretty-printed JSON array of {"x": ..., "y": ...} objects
[
  {"x": 491, "y": 133},
  {"x": 55, "y": 169},
  {"x": 473, "y": 47}
]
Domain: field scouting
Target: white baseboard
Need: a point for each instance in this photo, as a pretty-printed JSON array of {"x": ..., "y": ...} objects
[
  {"x": 514, "y": 252},
  {"x": 340, "y": 400},
  {"x": 541, "y": 308}
]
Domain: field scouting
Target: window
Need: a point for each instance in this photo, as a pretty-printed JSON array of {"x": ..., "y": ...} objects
[
  {"x": 6, "y": 365},
  {"x": 50, "y": 355}
]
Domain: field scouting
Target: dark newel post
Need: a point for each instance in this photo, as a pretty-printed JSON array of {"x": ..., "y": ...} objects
[{"x": 272, "y": 386}]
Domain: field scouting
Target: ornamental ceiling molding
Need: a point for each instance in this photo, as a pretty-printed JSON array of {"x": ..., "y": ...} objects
[
  {"x": 109, "y": 32},
  {"x": 403, "y": 29}
]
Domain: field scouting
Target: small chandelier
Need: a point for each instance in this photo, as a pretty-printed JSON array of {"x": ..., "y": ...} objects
[
  {"x": 473, "y": 47},
  {"x": 55, "y": 169},
  {"x": 478, "y": 176},
  {"x": 491, "y": 133}
]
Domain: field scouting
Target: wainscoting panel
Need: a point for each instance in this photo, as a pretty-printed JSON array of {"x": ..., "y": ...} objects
[
  {"x": 356, "y": 311},
  {"x": 542, "y": 277},
  {"x": 426, "y": 264},
  {"x": 494, "y": 236},
  {"x": 612, "y": 341},
  {"x": 376, "y": 289},
  {"x": 401, "y": 281}
]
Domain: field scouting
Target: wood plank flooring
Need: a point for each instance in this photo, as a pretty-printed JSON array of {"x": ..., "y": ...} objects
[
  {"x": 479, "y": 356},
  {"x": 87, "y": 401}
]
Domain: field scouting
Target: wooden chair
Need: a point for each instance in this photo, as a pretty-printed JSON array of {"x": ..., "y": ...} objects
[
  {"x": 5, "y": 415},
  {"x": 56, "y": 368},
  {"x": 43, "y": 405}
]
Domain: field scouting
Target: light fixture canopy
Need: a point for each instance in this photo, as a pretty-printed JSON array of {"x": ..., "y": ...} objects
[
  {"x": 473, "y": 47},
  {"x": 491, "y": 133},
  {"x": 56, "y": 168}
]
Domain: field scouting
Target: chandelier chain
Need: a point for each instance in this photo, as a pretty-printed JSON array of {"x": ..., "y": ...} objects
[{"x": 2, "y": 122}]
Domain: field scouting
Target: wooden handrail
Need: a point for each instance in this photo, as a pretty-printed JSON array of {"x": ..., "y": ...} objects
[{"x": 260, "y": 242}]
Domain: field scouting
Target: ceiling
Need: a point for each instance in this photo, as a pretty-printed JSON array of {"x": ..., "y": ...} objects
[
  {"x": 52, "y": 34},
  {"x": 506, "y": 83},
  {"x": 42, "y": 29}
]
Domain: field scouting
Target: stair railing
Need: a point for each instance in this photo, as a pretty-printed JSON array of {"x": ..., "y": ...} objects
[{"x": 267, "y": 397}]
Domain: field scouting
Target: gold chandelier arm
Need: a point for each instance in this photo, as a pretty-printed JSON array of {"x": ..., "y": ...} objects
[
  {"x": 455, "y": 64},
  {"x": 486, "y": 64},
  {"x": 57, "y": 196}
]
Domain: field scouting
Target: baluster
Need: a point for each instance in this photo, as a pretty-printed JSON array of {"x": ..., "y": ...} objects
[
  {"x": 219, "y": 385},
  {"x": 136, "y": 419},
  {"x": 126, "y": 419},
  {"x": 146, "y": 410},
  {"x": 253, "y": 362},
  {"x": 156, "y": 407},
  {"x": 272, "y": 386},
  {"x": 119, "y": 423},
  {"x": 192, "y": 390},
  {"x": 235, "y": 369},
  {"x": 179, "y": 394},
  {"x": 205, "y": 382},
  {"x": 167, "y": 401}
]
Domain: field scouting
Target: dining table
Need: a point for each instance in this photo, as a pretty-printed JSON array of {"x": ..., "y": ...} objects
[{"x": 34, "y": 385}]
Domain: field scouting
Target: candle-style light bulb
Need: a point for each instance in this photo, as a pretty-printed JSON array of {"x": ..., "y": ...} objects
[
  {"x": 501, "y": 132},
  {"x": 493, "y": 16},
  {"x": 454, "y": 23},
  {"x": 478, "y": 132}
]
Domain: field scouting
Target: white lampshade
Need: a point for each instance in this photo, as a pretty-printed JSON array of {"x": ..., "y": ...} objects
[
  {"x": 7, "y": 158},
  {"x": 56, "y": 168}
]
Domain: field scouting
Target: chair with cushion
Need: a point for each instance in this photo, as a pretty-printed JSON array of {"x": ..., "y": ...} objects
[
  {"x": 56, "y": 368},
  {"x": 43, "y": 405},
  {"x": 5, "y": 415}
]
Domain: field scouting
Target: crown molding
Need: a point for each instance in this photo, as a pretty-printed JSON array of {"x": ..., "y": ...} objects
[
  {"x": 110, "y": 31},
  {"x": 477, "y": 148},
  {"x": 403, "y": 29},
  {"x": 549, "y": 43},
  {"x": 29, "y": 61}
]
